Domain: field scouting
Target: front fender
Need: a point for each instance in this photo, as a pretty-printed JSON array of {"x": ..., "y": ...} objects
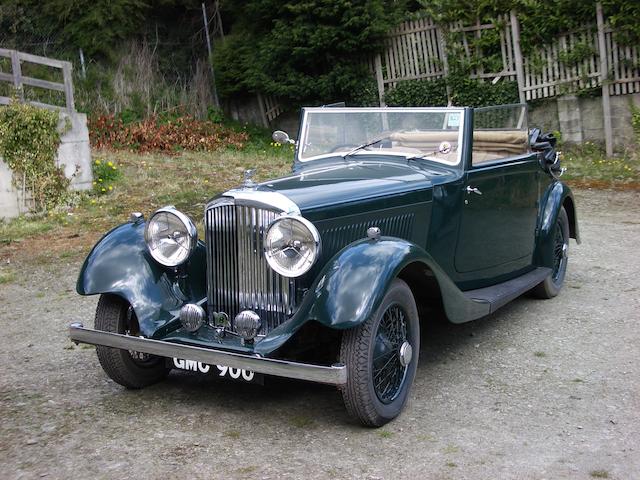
[
  {"x": 558, "y": 195},
  {"x": 353, "y": 283},
  {"x": 120, "y": 264}
]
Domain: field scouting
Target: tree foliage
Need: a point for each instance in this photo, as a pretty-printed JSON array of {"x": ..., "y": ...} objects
[
  {"x": 312, "y": 50},
  {"x": 96, "y": 26}
]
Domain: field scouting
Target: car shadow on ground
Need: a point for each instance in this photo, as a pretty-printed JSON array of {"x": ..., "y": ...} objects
[{"x": 440, "y": 340}]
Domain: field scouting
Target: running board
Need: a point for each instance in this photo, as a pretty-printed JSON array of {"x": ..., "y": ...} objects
[{"x": 502, "y": 293}]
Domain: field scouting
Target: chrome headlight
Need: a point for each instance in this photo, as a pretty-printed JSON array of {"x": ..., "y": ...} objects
[
  {"x": 291, "y": 245},
  {"x": 171, "y": 236}
]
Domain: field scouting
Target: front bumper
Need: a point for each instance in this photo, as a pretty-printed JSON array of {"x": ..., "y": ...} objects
[{"x": 333, "y": 375}]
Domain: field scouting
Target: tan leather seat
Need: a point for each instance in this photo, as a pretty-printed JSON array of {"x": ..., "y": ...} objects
[{"x": 488, "y": 145}]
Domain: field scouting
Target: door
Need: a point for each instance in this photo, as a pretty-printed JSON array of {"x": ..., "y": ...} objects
[{"x": 499, "y": 213}]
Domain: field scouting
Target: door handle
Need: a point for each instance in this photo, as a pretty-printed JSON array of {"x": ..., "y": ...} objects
[{"x": 475, "y": 190}]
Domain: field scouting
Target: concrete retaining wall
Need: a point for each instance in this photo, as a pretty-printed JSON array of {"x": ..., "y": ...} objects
[
  {"x": 580, "y": 119},
  {"x": 74, "y": 156}
]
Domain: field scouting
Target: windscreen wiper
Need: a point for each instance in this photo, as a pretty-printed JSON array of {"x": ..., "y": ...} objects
[
  {"x": 363, "y": 146},
  {"x": 423, "y": 156}
]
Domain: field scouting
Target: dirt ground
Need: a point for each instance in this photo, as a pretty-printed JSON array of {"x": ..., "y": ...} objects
[{"x": 540, "y": 390}]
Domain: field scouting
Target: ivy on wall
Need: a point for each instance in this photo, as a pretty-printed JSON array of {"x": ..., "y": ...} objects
[{"x": 29, "y": 141}]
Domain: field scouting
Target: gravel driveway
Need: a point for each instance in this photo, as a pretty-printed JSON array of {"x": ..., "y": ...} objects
[{"x": 542, "y": 389}]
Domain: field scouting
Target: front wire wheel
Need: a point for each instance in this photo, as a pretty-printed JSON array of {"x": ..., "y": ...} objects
[
  {"x": 130, "y": 369},
  {"x": 381, "y": 357}
]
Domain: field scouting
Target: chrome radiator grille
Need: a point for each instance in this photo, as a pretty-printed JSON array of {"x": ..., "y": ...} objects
[{"x": 239, "y": 277}]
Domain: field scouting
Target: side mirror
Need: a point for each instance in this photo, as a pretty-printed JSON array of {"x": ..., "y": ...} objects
[{"x": 281, "y": 137}]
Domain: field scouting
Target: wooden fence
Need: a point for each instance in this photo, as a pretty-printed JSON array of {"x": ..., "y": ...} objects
[
  {"x": 417, "y": 50},
  {"x": 19, "y": 81}
]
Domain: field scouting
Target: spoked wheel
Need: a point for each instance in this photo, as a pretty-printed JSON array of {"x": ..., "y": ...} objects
[
  {"x": 392, "y": 354},
  {"x": 381, "y": 357},
  {"x": 128, "y": 368},
  {"x": 552, "y": 285}
]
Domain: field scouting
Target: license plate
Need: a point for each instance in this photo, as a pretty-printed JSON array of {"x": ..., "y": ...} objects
[{"x": 221, "y": 370}]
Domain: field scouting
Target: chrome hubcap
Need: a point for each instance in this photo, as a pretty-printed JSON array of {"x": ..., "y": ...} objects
[{"x": 406, "y": 353}]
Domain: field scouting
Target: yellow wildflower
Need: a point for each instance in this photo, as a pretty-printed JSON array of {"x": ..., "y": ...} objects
[
  {"x": 100, "y": 180},
  {"x": 110, "y": 164},
  {"x": 104, "y": 189},
  {"x": 110, "y": 188},
  {"x": 97, "y": 162}
]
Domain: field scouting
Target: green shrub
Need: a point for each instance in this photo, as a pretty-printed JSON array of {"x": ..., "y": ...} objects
[
  {"x": 465, "y": 91},
  {"x": 635, "y": 121},
  {"x": 417, "y": 93},
  {"x": 29, "y": 140},
  {"x": 469, "y": 92}
]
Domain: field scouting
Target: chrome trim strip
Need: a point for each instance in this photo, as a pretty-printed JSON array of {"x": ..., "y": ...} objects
[
  {"x": 332, "y": 375},
  {"x": 258, "y": 199}
]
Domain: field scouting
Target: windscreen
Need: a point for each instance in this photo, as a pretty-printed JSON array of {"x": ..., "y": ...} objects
[{"x": 432, "y": 134}]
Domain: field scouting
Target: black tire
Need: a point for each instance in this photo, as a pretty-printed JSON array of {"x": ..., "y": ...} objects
[
  {"x": 362, "y": 398},
  {"x": 113, "y": 315},
  {"x": 552, "y": 285}
]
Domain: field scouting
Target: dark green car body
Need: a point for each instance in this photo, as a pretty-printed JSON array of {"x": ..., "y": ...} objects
[{"x": 447, "y": 243}]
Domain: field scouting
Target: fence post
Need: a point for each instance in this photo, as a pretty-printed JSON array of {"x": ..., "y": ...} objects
[
  {"x": 17, "y": 74},
  {"x": 68, "y": 86},
  {"x": 263, "y": 110},
  {"x": 445, "y": 61},
  {"x": 517, "y": 53},
  {"x": 604, "y": 71},
  {"x": 379, "y": 79}
]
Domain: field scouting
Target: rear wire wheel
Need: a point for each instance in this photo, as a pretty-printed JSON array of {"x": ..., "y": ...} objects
[
  {"x": 381, "y": 356},
  {"x": 551, "y": 286},
  {"x": 130, "y": 369}
]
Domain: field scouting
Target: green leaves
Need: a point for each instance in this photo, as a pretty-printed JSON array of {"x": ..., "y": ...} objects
[
  {"x": 29, "y": 141},
  {"x": 416, "y": 93},
  {"x": 465, "y": 91}
]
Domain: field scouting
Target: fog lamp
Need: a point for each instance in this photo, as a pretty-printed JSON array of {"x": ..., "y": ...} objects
[
  {"x": 192, "y": 316},
  {"x": 247, "y": 324}
]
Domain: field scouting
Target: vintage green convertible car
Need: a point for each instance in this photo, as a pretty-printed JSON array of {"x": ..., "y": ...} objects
[{"x": 323, "y": 275}]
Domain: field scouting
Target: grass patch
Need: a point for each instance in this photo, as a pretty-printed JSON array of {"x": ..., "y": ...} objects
[
  {"x": 302, "y": 421},
  {"x": 451, "y": 464},
  {"x": 599, "y": 474},
  {"x": 385, "y": 434},
  {"x": 146, "y": 183},
  {"x": 540, "y": 354},
  {"x": 24, "y": 227},
  {"x": 450, "y": 449},
  {"x": 235, "y": 434},
  {"x": 587, "y": 165},
  {"x": 248, "y": 469},
  {"x": 7, "y": 276}
]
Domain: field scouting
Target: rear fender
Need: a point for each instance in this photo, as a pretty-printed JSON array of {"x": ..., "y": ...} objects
[
  {"x": 120, "y": 264},
  {"x": 558, "y": 195}
]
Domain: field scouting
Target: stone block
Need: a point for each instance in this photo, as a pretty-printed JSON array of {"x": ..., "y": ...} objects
[
  {"x": 74, "y": 156},
  {"x": 74, "y": 153}
]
